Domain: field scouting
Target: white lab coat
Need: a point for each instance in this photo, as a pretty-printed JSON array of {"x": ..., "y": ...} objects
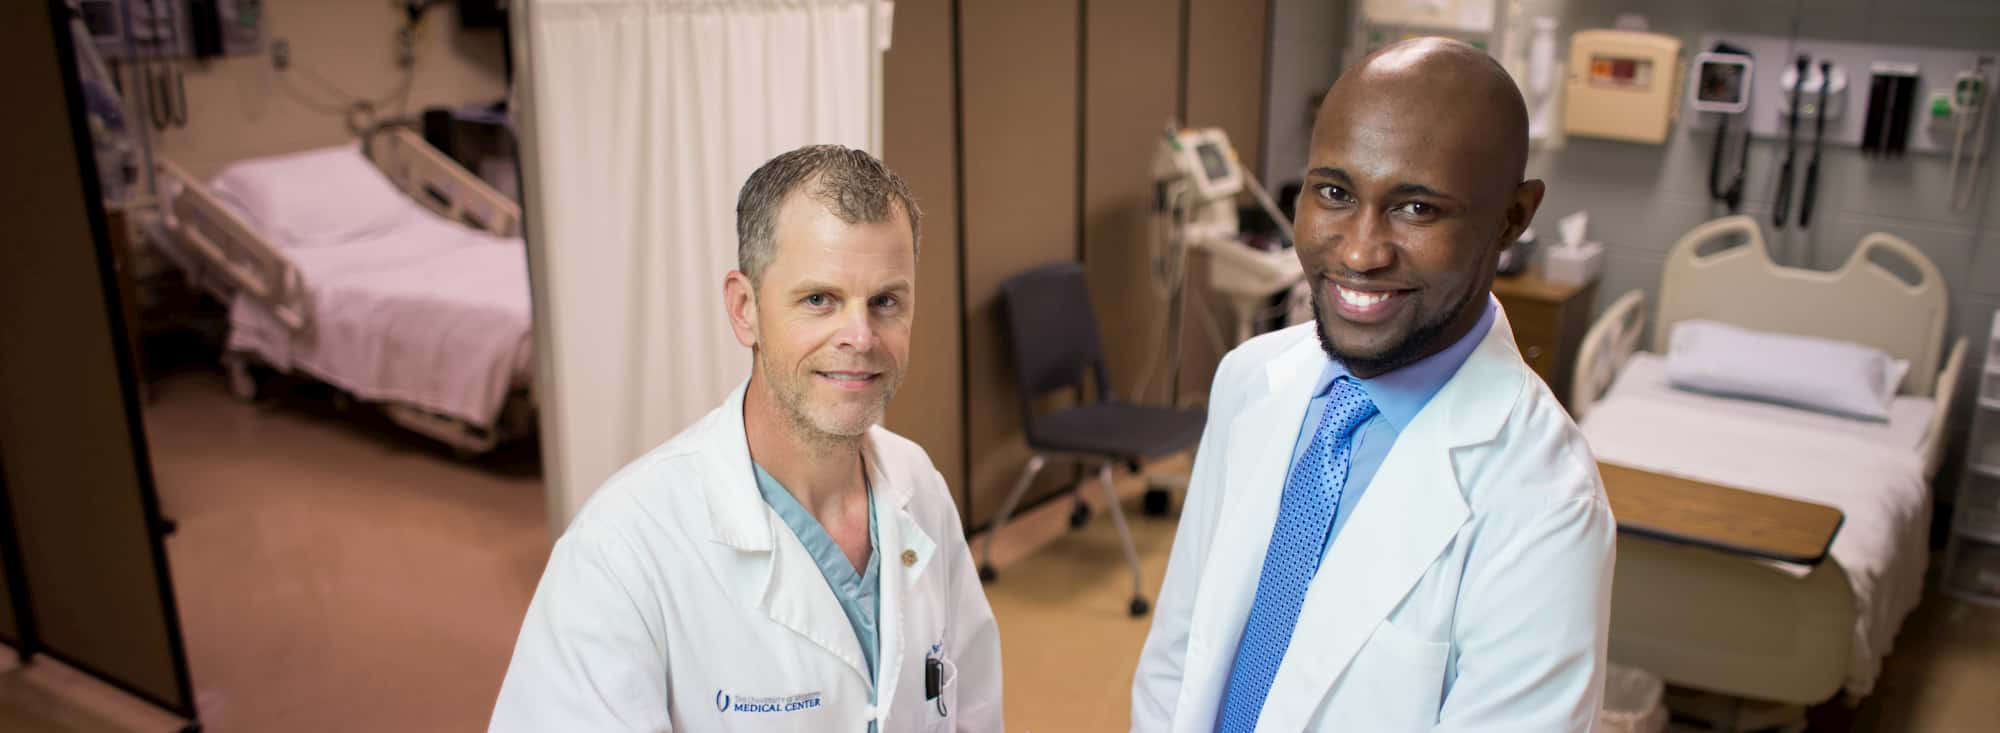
[
  {"x": 1469, "y": 591},
  {"x": 678, "y": 600}
]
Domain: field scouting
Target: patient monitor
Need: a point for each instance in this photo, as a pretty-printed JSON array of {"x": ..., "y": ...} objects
[
  {"x": 1205, "y": 158},
  {"x": 1196, "y": 180},
  {"x": 1623, "y": 85}
]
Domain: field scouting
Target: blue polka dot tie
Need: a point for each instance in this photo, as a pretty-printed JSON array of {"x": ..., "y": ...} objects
[{"x": 1298, "y": 541}]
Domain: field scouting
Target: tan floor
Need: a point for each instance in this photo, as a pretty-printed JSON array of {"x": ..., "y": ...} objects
[
  {"x": 335, "y": 574},
  {"x": 1944, "y": 675},
  {"x": 1068, "y": 645},
  {"x": 1069, "y": 650}
]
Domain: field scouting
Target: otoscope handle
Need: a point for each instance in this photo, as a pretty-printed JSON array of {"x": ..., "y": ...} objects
[
  {"x": 1781, "y": 207},
  {"x": 1806, "y": 202}
]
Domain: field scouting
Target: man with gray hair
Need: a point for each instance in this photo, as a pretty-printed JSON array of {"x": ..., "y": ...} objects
[{"x": 785, "y": 563}]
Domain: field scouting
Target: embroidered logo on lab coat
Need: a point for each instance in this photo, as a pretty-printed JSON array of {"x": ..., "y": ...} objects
[{"x": 726, "y": 703}]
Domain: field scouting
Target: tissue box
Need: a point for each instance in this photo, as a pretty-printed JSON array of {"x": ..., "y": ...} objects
[{"x": 1572, "y": 265}]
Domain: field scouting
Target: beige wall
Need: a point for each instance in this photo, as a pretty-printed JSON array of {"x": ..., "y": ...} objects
[
  {"x": 238, "y": 107},
  {"x": 1225, "y": 89},
  {"x": 1060, "y": 104},
  {"x": 1133, "y": 89},
  {"x": 918, "y": 139},
  {"x": 1019, "y": 70}
]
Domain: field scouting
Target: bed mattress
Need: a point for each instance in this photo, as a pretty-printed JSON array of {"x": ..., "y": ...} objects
[
  {"x": 1872, "y": 471},
  {"x": 429, "y": 313}
]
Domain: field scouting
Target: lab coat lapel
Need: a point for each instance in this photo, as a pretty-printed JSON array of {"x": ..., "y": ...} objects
[
  {"x": 797, "y": 598},
  {"x": 1411, "y": 512},
  {"x": 900, "y": 539},
  {"x": 1259, "y": 453},
  {"x": 778, "y": 573}
]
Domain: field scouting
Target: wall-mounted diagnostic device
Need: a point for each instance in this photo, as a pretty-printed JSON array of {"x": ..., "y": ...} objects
[
  {"x": 1971, "y": 103},
  {"x": 1722, "y": 83},
  {"x": 1823, "y": 92},
  {"x": 1623, "y": 85},
  {"x": 168, "y": 29}
]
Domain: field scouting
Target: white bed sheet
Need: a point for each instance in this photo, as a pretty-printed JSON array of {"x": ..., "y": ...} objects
[
  {"x": 430, "y": 313},
  {"x": 1872, "y": 471}
]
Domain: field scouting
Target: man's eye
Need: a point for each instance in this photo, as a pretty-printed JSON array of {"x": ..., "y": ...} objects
[
  {"x": 1419, "y": 209},
  {"x": 818, "y": 300},
  {"x": 886, "y": 301},
  {"x": 1330, "y": 192}
]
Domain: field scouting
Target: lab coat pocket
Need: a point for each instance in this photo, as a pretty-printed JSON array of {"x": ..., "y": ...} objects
[
  {"x": 941, "y": 713},
  {"x": 1396, "y": 681}
]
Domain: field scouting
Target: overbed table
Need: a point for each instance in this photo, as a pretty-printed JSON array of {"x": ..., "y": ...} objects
[{"x": 1690, "y": 512}]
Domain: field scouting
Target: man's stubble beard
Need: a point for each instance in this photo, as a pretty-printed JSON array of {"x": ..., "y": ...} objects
[{"x": 792, "y": 400}]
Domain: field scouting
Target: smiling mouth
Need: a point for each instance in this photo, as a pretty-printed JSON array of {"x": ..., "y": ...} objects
[
  {"x": 850, "y": 379},
  {"x": 1366, "y": 306}
]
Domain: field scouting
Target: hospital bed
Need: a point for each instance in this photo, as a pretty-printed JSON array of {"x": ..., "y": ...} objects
[
  {"x": 1709, "y": 619},
  {"x": 381, "y": 268}
]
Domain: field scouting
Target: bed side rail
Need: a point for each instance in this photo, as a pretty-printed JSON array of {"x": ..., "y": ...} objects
[
  {"x": 439, "y": 183},
  {"x": 1942, "y": 395},
  {"x": 234, "y": 252},
  {"x": 1609, "y": 342}
]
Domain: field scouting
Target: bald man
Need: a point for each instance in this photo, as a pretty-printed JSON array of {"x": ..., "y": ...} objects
[{"x": 1391, "y": 525}]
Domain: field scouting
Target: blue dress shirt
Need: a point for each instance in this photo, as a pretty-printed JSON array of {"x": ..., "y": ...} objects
[{"x": 1398, "y": 396}]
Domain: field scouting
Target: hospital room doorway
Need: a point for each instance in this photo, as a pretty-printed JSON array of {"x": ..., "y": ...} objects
[{"x": 312, "y": 231}]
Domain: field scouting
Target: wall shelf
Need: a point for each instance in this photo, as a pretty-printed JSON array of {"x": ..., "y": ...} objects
[{"x": 1972, "y": 563}]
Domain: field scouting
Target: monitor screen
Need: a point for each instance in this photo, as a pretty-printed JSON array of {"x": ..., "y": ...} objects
[
  {"x": 1721, "y": 82},
  {"x": 1213, "y": 164}
]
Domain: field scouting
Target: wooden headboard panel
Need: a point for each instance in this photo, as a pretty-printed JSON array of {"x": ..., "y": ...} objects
[{"x": 1863, "y": 301}]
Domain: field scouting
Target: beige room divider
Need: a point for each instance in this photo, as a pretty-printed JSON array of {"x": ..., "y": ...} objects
[{"x": 92, "y": 561}]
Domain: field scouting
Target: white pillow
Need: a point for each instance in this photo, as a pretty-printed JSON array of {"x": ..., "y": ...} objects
[
  {"x": 315, "y": 198},
  {"x": 1825, "y": 375}
]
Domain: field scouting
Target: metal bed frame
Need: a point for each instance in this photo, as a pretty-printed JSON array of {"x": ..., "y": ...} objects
[
  {"x": 225, "y": 256},
  {"x": 1726, "y": 623}
]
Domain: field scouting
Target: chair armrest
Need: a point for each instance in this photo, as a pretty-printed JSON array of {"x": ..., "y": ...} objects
[{"x": 1609, "y": 342}]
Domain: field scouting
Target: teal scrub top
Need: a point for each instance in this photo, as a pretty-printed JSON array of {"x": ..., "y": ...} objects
[{"x": 856, "y": 592}]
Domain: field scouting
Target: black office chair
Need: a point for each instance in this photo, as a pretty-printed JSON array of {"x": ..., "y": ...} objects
[{"x": 1054, "y": 340}]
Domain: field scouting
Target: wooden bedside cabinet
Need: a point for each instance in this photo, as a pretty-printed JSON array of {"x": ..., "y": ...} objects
[{"x": 1549, "y": 320}]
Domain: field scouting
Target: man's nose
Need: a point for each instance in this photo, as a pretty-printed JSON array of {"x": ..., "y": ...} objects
[
  {"x": 1367, "y": 245},
  {"x": 857, "y": 329}
]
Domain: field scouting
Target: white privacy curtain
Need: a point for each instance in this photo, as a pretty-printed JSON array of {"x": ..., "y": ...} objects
[{"x": 641, "y": 119}]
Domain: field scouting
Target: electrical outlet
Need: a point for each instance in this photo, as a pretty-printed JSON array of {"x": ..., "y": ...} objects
[{"x": 281, "y": 54}]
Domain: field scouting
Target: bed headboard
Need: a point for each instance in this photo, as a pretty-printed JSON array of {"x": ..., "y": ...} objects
[
  {"x": 1863, "y": 301},
  {"x": 440, "y": 183}
]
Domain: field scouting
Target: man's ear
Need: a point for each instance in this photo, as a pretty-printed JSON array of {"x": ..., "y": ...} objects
[
  {"x": 1521, "y": 211},
  {"x": 739, "y": 298}
]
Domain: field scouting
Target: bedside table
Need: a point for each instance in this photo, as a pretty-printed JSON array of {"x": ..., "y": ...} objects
[{"x": 1549, "y": 320}]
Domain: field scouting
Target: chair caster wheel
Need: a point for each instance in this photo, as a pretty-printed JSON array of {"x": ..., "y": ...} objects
[
  {"x": 1079, "y": 515},
  {"x": 1140, "y": 606},
  {"x": 987, "y": 574},
  {"x": 1157, "y": 502}
]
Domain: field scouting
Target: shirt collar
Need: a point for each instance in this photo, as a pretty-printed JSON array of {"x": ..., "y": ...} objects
[{"x": 1400, "y": 394}]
